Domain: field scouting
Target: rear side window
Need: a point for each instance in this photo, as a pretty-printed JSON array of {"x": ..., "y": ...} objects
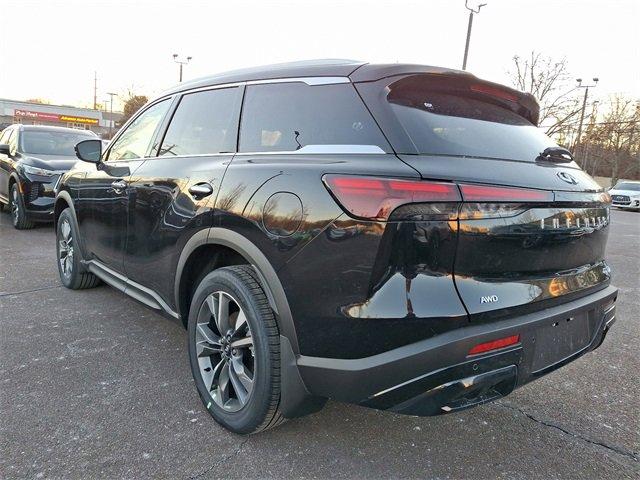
[
  {"x": 442, "y": 117},
  {"x": 204, "y": 123},
  {"x": 289, "y": 116}
]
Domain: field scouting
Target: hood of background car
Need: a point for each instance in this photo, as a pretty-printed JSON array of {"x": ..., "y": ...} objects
[
  {"x": 50, "y": 162},
  {"x": 628, "y": 193}
]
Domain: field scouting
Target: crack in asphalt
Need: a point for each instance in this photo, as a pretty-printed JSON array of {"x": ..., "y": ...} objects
[
  {"x": 8, "y": 294},
  {"x": 620, "y": 451},
  {"x": 224, "y": 459}
]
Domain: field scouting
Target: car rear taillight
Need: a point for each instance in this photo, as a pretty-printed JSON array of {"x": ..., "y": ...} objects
[
  {"x": 491, "y": 193},
  {"x": 375, "y": 198},
  {"x": 494, "y": 345}
]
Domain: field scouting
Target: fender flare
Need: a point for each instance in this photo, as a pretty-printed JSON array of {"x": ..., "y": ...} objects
[
  {"x": 13, "y": 175},
  {"x": 268, "y": 277}
]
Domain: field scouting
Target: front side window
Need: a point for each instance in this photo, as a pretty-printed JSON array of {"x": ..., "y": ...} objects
[
  {"x": 136, "y": 139},
  {"x": 204, "y": 123},
  {"x": 43, "y": 142},
  {"x": 289, "y": 116}
]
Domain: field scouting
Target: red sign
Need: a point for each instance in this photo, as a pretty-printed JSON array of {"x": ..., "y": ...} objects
[{"x": 54, "y": 117}]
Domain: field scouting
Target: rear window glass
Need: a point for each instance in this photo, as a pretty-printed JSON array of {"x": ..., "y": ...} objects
[
  {"x": 441, "y": 122},
  {"x": 289, "y": 116}
]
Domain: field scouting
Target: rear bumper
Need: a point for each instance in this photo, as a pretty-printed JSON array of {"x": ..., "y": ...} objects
[{"x": 437, "y": 376}]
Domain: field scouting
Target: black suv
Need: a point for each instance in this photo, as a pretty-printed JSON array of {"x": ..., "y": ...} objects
[
  {"x": 402, "y": 237},
  {"x": 32, "y": 158}
]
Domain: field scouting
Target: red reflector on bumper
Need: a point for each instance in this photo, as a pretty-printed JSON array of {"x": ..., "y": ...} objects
[{"x": 494, "y": 345}]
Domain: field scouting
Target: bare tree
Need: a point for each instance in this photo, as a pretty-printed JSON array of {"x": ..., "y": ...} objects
[
  {"x": 548, "y": 80},
  {"x": 612, "y": 143}
]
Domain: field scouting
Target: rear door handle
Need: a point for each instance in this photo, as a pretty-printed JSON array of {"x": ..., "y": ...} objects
[
  {"x": 201, "y": 190},
  {"x": 118, "y": 186}
]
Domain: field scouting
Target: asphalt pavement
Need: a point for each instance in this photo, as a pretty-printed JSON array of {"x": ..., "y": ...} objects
[{"x": 95, "y": 385}]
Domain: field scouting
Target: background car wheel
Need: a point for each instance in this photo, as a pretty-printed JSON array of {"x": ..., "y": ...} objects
[
  {"x": 234, "y": 350},
  {"x": 18, "y": 212},
  {"x": 72, "y": 273}
]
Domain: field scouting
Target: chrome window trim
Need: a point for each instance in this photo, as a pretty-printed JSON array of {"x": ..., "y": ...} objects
[
  {"x": 312, "y": 81},
  {"x": 324, "y": 149},
  {"x": 308, "y": 80}
]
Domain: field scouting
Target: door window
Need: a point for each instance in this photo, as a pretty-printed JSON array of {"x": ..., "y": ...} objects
[
  {"x": 136, "y": 140},
  {"x": 204, "y": 123},
  {"x": 289, "y": 116}
]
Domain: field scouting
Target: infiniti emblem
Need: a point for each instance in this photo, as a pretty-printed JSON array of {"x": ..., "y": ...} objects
[{"x": 567, "y": 177}]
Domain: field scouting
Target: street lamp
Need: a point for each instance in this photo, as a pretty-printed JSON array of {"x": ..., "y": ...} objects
[
  {"x": 466, "y": 47},
  {"x": 584, "y": 106},
  {"x": 181, "y": 63},
  {"x": 111, "y": 115}
]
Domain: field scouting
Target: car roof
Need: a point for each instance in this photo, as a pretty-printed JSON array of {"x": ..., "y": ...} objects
[{"x": 356, "y": 70}]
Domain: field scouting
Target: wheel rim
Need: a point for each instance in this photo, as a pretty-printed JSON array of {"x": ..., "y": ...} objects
[
  {"x": 14, "y": 205},
  {"x": 224, "y": 349},
  {"x": 65, "y": 249}
]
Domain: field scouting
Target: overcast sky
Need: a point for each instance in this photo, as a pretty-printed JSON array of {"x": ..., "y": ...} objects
[{"x": 50, "y": 49}]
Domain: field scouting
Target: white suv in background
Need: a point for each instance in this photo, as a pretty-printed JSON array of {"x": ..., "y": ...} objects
[{"x": 626, "y": 194}]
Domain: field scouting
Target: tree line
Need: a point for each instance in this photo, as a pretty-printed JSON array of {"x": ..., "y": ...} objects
[{"x": 610, "y": 136}]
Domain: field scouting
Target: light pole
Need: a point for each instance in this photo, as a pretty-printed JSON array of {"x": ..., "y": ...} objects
[
  {"x": 584, "y": 106},
  {"x": 111, "y": 115},
  {"x": 466, "y": 46},
  {"x": 181, "y": 63}
]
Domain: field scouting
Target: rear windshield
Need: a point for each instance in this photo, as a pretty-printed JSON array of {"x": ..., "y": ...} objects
[
  {"x": 440, "y": 120},
  {"x": 50, "y": 142},
  {"x": 635, "y": 187}
]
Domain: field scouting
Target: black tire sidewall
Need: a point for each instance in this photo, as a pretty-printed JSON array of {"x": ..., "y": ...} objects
[{"x": 252, "y": 415}]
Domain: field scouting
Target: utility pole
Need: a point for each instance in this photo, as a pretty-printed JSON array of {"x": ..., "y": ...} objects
[
  {"x": 181, "y": 63},
  {"x": 466, "y": 46},
  {"x": 111, "y": 115},
  {"x": 584, "y": 106},
  {"x": 95, "y": 90}
]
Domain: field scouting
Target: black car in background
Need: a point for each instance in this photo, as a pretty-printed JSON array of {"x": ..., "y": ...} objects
[
  {"x": 32, "y": 158},
  {"x": 402, "y": 237}
]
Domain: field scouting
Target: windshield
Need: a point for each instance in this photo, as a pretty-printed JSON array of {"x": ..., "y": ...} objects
[
  {"x": 635, "y": 187},
  {"x": 51, "y": 142},
  {"x": 443, "y": 118}
]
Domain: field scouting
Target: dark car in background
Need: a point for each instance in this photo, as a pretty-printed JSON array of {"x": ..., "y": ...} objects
[
  {"x": 32, "y": 158},
  {"x": 402, "y": 237}
]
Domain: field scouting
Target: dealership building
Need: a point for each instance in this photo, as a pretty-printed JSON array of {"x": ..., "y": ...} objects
[{"x": 29, "y": 113}]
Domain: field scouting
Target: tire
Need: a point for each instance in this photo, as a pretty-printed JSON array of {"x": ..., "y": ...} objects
[
  {"x": 18, "y": 212},
  {"x": 257, "y": 353},
  {"x": 72, "y": 273}
]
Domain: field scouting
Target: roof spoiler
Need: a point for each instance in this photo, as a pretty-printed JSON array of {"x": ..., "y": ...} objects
[{"x": 524, "y": 104}]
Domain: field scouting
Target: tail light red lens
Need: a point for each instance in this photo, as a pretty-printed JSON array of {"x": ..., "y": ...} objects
[
  {"x": 494, "y": 345},
  {"x": 375, "y": 198},
  {"x": 491, "y": 193}
]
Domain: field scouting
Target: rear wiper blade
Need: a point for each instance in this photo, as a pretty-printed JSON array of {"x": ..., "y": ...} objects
[{"x": 555, "y": 154}]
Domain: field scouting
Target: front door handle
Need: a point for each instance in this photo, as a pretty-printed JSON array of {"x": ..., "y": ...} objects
[
  {"x": 201, "y": 190},
  {"x": 118, "y": 186}
]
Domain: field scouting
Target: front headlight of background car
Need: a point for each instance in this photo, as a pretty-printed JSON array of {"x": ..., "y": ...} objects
[{"x": 38, "y": 171}]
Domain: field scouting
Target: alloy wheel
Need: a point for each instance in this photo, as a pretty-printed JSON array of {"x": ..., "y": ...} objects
[
  {"x": 65, "y": 249},
  {"x": 224, "y": 348}
]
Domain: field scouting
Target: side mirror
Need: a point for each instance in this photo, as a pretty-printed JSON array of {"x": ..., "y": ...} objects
[
  {"x": 89, "y": 150},
  {"x": 5, "y": 149}
]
